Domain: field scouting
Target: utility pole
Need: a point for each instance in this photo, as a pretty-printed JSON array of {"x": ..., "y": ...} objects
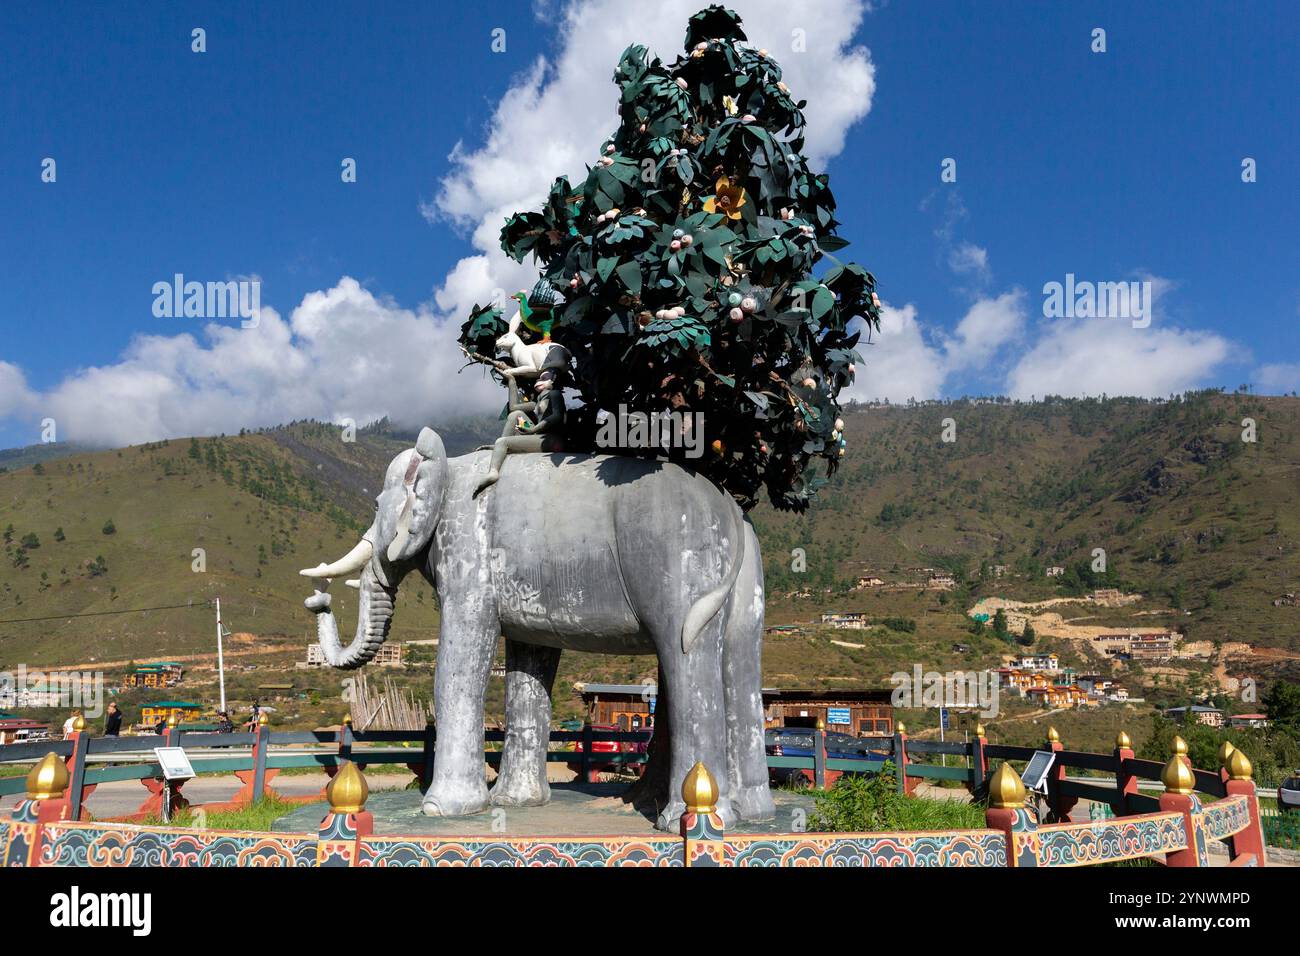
[{"x": 221, "y": 660}]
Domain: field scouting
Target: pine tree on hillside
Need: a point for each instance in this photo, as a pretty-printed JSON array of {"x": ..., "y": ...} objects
[{"x": 686, "y": 260}]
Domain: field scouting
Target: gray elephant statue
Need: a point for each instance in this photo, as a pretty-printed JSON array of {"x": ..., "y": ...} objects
[{"x": 603, "y": 553}]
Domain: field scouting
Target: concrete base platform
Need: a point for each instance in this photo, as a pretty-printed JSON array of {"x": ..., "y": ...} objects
[{"x": 575, "y": 810}]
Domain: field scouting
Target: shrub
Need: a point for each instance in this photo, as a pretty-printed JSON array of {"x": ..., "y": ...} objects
[{"x": 866, "y": 803}]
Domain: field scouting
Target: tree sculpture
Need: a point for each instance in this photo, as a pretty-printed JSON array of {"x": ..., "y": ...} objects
[{"x": 685, "y": 260}]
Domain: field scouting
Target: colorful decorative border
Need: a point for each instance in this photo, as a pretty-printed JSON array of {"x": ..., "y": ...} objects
[
  {"x": 1104, "y": 841},
  {"x": 949, "y": 848},
  {"x": 82, "y": 844},
  {"x": 472, "y": 851},
  {"x": 1227, "y": 816}
]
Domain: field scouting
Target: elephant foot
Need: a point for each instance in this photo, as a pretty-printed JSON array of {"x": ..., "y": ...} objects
[
  {"x": 449, "y": 802},
  {"x": 754, "y": 803},
  {"x": 517, "y": 796},
  {"x": 670, "y": 816}
]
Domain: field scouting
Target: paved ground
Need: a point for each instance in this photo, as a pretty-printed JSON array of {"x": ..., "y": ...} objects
[{"x": 575, "y": 809}]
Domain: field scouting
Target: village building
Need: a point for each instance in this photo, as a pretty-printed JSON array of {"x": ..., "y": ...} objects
[
  {"x": 1037, "y": 662},
  {"x": 1055, "y": 571},
  {"x": 847, "y": 620},
  {"x": 624, "y": 706},
  {"x": 941, "y": 582},
  {"x": 388, "y": 655},
  {"x": 869, "y": 582},
  {"x": 1254, "y": 721},
  {"x": 1210, "y": 716},
  {"x": 862, "y": 713},
  {"x": 158, "y": 674},
  {"x": 21, "y": 730},
  {"x": 1137, "y": 645},
  {"x": 163, "y": 710}
]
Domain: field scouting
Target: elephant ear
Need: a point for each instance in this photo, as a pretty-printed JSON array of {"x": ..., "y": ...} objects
[{"x": 425, "y": 482}]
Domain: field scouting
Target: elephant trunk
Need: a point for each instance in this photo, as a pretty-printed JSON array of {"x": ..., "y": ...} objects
[{"x": 374, "y": 617}]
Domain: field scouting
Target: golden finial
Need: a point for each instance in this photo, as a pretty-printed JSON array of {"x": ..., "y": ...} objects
[
  {"x": 979, "y": 730},
  {"x": 699, "y": 790},
  {"x": 1123, "y": 741},
  {"x": 48, "y": 779},
  {"x": 1239, "y": 767},
  {"x": 347, "y": 720},
  {"x": 900, "y": 727},
  {"x": 173, "y": 719},
  {"x": 1179, "y": 746},
  {"x": 348, "y": 790},
  {"x": 821, "y": 724},
  {"x": 1177, "y": 776},
  {"x": 1052, "y": 736},
  {"x": 262, "y": 719},
  {"x": 1225, "y": 752},
  {"x": 78, "y": 722},
  {"x": 1006, "y": 789}
]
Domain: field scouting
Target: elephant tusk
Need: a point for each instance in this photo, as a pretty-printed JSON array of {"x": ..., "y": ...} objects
[{"x": 354, "y": 560}]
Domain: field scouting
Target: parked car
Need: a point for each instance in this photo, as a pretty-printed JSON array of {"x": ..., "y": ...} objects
[
  {"x": 596, "y": 766},
  {"x": 799, "y": 742}
]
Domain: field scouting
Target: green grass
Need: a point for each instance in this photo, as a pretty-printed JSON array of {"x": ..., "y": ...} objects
[{"x": 257, "y": 816}]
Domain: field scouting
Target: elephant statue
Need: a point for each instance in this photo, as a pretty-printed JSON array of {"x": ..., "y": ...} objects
[{"x": 603, "y": 553}]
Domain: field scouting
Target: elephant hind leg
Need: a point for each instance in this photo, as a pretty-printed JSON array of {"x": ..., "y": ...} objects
[
  {"x": 742, "y": 681},
  {"x": 697, "y": 716},
  {"x": 530, "y": 673}
]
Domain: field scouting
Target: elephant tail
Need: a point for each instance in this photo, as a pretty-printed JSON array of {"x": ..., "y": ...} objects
[{"x": 706, "y": 607}]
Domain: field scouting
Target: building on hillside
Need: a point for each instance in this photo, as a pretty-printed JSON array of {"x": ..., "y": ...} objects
[
  {"x": 158, "y": 674},
  {"x": 1255, "y": 721},
  {"x": 1157, "y": 646},
  {"x": 1117, "y": 693},
  {"x": 1050, "y": 697},
  {"x": 1136, "y": 645},
  {"x": 1055, "y": 571},
  {"x": 151, "y": 714},
  {"x": 278, "y": 690},
  {"x": 869, "y": 582},
  {"x": 960, "y": 648},
  {"x": 941, "y": 582},
  {"x": 388, "y": 655},
  {"x": 21, "y": 730},
  {"x": 1037, "y": 662},
  {"x": 783, "y": 629},
  {"x": 999, "y": 570},
  {"x": 1210, "y": 716},
  {"x": 847, "y": 620},
  {"x": 1094, "y": 683},
  {"x": 1107, "y": 596},
  {"x": 861, "y": 713}
]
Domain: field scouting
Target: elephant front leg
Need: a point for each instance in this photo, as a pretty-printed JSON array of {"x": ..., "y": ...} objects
[
  {"x": 467, "y": 638},
  {"x": 530, "y": 672}
]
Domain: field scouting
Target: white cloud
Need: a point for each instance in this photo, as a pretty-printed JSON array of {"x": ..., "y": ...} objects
[
  {"x": 1095, "y": 356},
  {"x": 989, "y": 327},
  {"x": 15, "y": 397},
  {"x": 343, "y": 353},
  {"x": 1277, "y": 378},
  {"x": 969, "y": 259},
  {"x": 900, "y": 364},
  {"x": 346, "y": 353}
]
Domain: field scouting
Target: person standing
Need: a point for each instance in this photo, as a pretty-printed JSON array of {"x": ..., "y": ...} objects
[{"x": 113, "y": 721}]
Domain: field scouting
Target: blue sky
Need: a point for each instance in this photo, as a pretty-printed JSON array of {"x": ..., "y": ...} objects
[{"x": 1112, "y": 166}]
